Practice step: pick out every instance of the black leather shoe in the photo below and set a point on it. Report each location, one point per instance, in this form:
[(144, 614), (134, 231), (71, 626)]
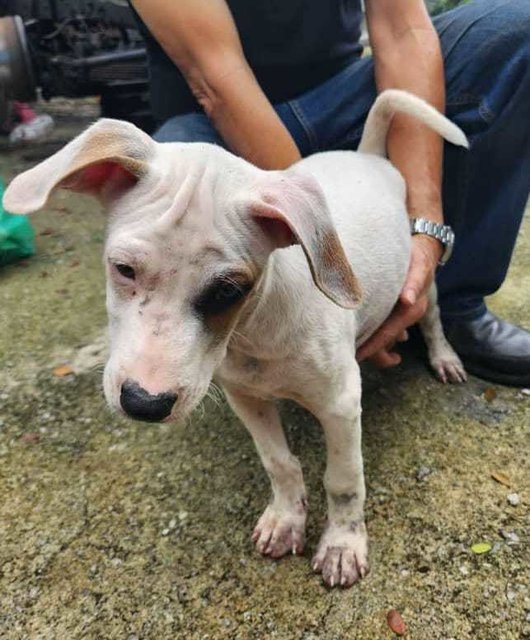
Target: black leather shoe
[(492, 349)]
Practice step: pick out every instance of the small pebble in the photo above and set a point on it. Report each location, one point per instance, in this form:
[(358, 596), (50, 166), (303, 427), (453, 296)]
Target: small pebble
[(422, 473), (164, 532), (513, 499), (496, 547), (525, 392), (510, 536)]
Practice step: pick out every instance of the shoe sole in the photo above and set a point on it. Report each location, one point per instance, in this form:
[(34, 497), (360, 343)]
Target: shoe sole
[(506, 379)]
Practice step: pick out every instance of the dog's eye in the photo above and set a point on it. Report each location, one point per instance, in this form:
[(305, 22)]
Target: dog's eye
[(220, 296), (126, 271)]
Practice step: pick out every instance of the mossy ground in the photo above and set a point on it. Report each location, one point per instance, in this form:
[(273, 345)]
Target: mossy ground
[(117, 530)]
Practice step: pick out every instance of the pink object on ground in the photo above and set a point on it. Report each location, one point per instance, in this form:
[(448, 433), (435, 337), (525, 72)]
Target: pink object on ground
[(24, 112)]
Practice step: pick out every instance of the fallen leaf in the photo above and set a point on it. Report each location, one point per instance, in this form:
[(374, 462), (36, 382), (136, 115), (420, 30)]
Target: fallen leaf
[(490, 394), (501, 478), (47, 232), (30, 438), (481, 547), (395, 622), (61, 208), (63, 370)]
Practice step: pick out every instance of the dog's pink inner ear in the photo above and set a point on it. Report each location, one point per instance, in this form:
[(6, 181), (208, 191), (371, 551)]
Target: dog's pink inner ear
[(96, 176), (272, 221)]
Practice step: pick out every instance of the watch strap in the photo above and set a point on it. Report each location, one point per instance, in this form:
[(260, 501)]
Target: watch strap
[(441, 232)]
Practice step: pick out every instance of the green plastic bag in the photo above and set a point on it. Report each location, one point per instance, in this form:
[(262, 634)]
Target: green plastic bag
[(16, 235)]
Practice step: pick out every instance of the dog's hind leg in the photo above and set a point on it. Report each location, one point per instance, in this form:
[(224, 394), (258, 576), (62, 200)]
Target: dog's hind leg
[(341, 556), (281, 528), (442, 357)]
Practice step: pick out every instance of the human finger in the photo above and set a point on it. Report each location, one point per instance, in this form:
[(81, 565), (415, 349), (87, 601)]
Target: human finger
[(385, 359), (398, 321), (421, 270)]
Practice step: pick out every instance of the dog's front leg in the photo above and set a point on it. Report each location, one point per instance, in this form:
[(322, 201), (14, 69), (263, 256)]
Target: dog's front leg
[(281, 528), (341, 556)]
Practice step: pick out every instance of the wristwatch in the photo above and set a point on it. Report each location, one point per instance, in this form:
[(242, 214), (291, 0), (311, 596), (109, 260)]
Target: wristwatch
[(442, 232)]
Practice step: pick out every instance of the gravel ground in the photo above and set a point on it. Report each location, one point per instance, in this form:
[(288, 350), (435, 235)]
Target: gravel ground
[(111, 529)]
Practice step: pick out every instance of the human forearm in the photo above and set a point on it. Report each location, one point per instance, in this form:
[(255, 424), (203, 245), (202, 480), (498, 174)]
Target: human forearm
[(247, 122), (201, 38), (409, 58)]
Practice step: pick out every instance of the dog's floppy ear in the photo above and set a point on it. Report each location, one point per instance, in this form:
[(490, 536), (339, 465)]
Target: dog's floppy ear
[(110, 155), (292, 209)]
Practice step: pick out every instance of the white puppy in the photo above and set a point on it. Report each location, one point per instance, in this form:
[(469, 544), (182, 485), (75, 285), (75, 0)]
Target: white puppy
[(197, 289)]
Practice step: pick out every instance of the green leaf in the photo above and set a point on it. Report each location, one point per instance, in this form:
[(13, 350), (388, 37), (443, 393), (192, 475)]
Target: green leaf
[(481, 547)]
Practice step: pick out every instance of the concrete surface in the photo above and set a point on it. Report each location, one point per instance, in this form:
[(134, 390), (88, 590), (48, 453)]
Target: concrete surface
[(111, 529)]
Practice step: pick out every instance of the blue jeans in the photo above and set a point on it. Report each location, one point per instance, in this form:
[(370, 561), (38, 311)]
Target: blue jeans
[(486, 49)]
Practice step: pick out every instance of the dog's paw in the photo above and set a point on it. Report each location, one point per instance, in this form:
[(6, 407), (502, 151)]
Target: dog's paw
[(449, 368), (342, 555), (279, 532)]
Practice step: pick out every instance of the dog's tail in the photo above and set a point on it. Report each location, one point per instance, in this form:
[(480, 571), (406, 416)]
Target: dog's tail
[(394, 101)]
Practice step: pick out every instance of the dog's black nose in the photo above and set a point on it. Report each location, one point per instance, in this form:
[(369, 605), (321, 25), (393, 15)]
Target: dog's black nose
[(141, 405)]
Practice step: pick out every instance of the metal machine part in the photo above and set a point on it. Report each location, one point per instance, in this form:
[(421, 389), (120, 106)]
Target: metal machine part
[(75, 48), (16, 74)]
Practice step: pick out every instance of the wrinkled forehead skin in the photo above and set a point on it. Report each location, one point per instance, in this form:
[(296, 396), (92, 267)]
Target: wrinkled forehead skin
[(183, 214), (179, 228)]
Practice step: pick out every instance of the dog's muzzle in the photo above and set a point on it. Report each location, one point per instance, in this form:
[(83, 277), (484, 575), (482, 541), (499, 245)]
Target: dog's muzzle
[(141, 405)]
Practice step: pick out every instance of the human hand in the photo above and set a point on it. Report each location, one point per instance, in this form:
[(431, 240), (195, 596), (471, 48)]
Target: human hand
[(410, 307)]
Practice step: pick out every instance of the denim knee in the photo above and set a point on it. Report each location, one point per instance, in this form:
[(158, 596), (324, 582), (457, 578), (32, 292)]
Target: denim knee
[(486, 47), (508, 22), (190, 127), (512, 19)]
